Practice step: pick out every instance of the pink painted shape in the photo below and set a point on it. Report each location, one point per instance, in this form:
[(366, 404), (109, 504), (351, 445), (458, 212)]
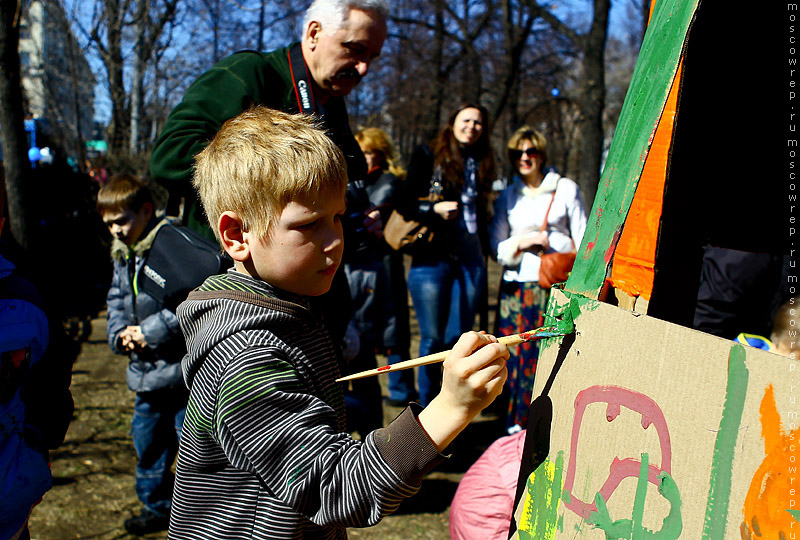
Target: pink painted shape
[(616, 397)]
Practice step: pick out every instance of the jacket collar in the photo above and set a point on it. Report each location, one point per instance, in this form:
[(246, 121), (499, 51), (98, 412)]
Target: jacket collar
[(121, 251), (238, 281), (548, 185)]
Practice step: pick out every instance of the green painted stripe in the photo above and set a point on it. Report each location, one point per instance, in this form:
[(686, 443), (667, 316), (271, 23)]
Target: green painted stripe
[(647, 94), (637, 529), (333, 396), (200, 425), (257, 377), (224, 283), (254, 377), (719, 490), (252, 398), (250, 380)]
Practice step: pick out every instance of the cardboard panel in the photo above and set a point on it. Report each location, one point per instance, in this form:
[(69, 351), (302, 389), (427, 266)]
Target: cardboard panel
[(659, 431)]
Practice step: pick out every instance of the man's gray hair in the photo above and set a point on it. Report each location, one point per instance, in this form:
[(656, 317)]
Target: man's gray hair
[(332, 14)]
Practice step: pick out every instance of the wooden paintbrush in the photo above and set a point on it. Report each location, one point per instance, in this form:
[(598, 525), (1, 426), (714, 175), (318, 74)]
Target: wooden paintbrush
[(508, 341)]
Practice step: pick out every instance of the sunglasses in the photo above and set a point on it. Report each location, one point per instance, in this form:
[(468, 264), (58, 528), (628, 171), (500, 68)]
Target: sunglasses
[(517, 154)]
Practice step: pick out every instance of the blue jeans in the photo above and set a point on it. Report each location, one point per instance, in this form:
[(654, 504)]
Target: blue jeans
[(373, 312), (401, 383), (446, 295), (156, 429)]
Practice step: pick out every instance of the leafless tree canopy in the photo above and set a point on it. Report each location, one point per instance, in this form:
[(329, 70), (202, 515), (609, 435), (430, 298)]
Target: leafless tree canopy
[(527, 61)]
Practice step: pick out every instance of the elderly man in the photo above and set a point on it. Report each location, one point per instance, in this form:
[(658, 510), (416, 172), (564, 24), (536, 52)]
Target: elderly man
[(340, 40)]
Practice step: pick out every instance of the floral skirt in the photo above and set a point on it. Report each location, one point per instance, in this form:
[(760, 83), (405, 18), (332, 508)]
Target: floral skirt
[(522, 307)]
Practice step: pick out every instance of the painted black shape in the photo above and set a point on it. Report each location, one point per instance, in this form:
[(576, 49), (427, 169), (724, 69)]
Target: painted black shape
[(540, 419)]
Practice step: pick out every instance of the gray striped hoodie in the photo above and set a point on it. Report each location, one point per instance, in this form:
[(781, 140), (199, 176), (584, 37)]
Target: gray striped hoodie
[(263, 452)]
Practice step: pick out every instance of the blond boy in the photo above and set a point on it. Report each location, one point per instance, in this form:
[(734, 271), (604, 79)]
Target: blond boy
[(264, 453)]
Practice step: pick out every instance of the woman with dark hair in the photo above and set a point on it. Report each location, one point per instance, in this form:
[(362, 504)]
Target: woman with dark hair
[(539, 212), (446, 277)]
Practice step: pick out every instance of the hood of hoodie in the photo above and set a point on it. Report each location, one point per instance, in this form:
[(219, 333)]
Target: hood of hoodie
[(213, 312)]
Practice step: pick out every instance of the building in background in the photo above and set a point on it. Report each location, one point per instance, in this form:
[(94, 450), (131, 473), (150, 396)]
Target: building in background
[(57, 81)]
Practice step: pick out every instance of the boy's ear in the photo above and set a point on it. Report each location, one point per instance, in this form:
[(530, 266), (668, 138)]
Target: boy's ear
[(231, 233), (149, 210)]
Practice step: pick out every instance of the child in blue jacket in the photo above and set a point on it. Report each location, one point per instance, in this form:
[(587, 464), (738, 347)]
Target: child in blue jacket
[(27, 374), (156, 264)]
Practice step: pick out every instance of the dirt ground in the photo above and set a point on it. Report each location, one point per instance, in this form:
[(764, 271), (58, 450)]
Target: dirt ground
[(93, 471)]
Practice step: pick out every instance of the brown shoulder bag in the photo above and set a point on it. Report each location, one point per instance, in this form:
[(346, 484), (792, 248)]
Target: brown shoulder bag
[(409, 236), (555, 267)]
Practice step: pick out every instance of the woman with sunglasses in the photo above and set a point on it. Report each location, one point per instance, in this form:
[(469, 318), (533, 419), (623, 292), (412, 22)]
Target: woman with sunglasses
[(446, 278), (517, 238)]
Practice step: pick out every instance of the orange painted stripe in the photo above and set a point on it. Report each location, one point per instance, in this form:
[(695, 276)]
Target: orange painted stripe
[(634, 258), (768, 498)]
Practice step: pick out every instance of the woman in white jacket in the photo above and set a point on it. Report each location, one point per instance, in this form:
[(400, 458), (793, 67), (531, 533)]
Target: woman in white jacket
[(517, 240)]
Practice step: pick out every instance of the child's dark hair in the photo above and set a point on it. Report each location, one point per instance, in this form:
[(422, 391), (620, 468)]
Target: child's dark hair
[(123, 192)]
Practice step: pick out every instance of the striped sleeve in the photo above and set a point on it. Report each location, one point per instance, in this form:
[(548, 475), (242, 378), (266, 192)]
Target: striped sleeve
[(267, 424)]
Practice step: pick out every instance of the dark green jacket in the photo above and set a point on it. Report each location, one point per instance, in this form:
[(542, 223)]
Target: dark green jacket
[(230, 87)]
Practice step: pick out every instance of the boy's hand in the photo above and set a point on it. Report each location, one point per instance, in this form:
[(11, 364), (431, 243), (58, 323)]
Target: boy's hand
[(132, 338), (474, 374)]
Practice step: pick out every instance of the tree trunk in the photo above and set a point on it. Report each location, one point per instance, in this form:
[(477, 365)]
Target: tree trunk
[(114, 64), (12, 136), (440, 79), (138, 75), (592, 101), (260, 40)]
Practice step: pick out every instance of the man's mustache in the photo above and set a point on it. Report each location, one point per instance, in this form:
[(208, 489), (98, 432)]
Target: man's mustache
[(349, 73)]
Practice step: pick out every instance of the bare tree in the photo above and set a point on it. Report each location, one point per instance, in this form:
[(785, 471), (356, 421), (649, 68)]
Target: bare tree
[(510, 55), (516, 26), (591, 46), (148, 30), (214, 14), (443, 46), (106, 35), (12, 136)]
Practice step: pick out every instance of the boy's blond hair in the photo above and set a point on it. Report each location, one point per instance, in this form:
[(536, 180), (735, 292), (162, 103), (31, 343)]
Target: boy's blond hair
[(261, 160)]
